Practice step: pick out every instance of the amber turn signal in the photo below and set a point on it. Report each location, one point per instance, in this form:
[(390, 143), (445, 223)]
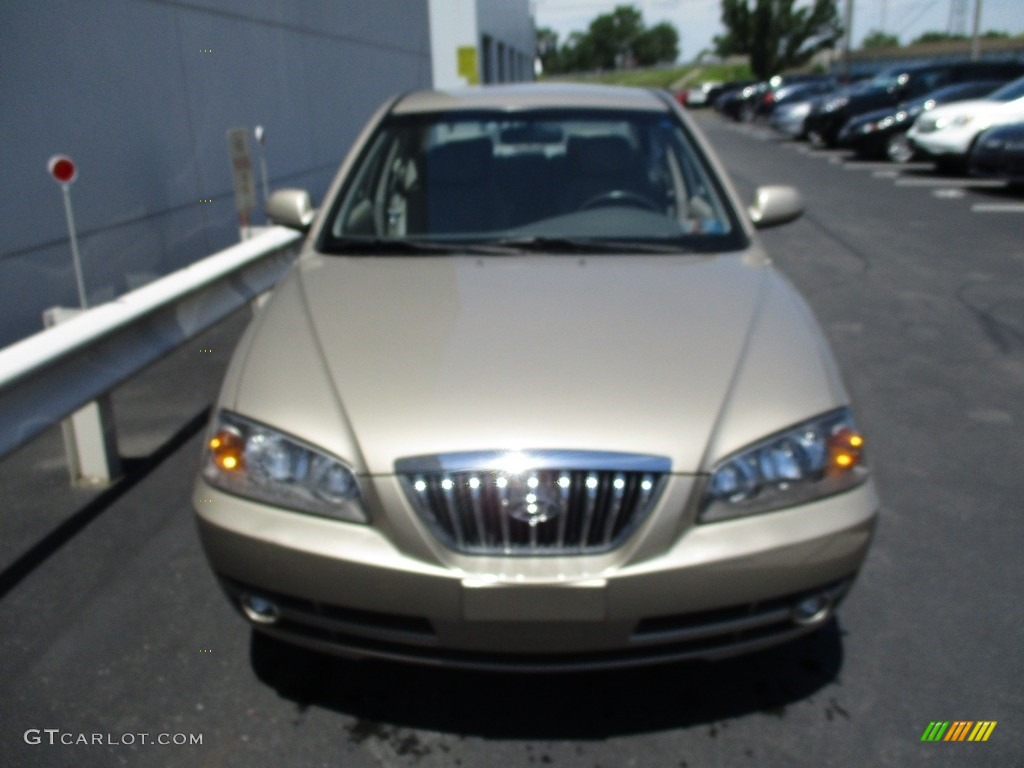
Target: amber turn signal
[(226, 449), (844, 449)]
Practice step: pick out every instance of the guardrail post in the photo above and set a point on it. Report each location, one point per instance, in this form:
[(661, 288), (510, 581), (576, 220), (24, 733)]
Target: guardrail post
[(90, 439)]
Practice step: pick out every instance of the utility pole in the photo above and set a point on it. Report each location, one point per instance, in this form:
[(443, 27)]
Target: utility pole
[(976, 32), (847, 36)]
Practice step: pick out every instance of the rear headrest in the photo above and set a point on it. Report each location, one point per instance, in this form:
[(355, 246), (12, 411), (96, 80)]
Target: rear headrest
[(460, 162), (600, 155)]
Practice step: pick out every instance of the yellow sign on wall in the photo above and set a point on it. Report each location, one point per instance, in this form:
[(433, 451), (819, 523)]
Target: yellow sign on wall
[(467, 66)]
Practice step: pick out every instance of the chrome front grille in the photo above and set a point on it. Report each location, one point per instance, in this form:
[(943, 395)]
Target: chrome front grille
[(533, 503)]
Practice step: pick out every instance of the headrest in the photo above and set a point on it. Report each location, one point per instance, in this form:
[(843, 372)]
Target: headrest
[(600, 155), (459, 162)]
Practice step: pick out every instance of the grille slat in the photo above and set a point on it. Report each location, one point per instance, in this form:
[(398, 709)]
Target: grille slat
[(564, 484), (544, 509), (618, 497)]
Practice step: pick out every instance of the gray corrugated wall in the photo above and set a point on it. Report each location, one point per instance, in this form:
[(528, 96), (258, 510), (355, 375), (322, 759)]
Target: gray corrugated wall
[(126, 88)]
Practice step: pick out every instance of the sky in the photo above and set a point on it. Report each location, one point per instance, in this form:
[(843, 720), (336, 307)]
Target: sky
[(698, 20)]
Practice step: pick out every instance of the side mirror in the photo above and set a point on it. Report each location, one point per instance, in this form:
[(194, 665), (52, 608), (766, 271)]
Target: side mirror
[(775, 205), (291, 208)]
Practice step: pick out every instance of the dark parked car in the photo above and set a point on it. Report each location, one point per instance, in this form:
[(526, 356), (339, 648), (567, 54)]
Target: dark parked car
[(999, 152), (790, 117), (745, 104), (896, 84), (727, 91), (883, 133), (705, 94), (792, 93)]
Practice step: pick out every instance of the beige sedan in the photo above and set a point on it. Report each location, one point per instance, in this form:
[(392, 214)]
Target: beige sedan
[(534, 398)]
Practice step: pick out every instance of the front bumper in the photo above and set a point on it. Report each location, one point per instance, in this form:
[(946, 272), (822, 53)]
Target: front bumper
[(719, 589), (1007, 166), (790, 124), (825, 125), (941, 144)]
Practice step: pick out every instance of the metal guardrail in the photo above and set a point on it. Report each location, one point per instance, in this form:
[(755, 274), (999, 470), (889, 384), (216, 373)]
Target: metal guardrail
[(50, 374)]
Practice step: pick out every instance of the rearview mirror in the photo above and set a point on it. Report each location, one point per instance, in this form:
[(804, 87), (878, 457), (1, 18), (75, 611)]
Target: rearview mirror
[(775, 205), (291, 208)]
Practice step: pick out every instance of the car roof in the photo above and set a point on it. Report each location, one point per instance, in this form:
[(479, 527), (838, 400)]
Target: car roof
[(518, 96)]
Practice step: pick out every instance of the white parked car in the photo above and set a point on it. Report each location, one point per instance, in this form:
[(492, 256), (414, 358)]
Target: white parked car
[(947, 133), (702, 94)]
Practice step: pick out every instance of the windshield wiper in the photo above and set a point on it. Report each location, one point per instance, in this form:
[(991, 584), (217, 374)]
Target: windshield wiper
[(506, 246), (588, 245), (379, 246)]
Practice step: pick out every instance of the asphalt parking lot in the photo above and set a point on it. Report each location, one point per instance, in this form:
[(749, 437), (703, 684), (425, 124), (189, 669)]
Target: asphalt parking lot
[(111, 624)]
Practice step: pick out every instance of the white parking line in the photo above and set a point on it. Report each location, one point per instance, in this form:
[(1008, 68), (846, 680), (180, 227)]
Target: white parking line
[(948, 194), (997, 208), (924, 181), (886, 174), (855, 165), (804, 149)]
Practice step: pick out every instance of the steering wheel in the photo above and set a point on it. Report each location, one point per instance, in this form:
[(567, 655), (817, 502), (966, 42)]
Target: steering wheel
[(620, 197)]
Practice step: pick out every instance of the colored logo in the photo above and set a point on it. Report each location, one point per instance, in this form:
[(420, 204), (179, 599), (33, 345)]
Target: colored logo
[(958, 730)]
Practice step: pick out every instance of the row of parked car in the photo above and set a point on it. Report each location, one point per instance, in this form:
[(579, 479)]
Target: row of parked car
[(966, 116)]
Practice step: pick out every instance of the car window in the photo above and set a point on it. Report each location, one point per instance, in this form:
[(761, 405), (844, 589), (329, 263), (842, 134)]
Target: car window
[(927, 81), (888, 79), (1009, 92), (546, 173)]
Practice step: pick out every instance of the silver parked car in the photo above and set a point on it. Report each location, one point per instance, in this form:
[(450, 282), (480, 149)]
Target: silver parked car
[(533, 397)]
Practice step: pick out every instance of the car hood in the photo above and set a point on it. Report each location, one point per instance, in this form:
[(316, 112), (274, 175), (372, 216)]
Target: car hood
[(979, 109), (871, 117), (680, 357)]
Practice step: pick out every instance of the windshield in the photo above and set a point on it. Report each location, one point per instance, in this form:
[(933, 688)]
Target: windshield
[(889, 79), (958, 92), (520, 179), (1009, 92)]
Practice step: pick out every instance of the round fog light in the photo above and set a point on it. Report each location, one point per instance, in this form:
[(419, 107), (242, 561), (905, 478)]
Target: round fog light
[(812, 610), (259, 609)]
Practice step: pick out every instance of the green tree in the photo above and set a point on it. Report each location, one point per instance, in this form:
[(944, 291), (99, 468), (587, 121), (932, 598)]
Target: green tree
[(776, 34), (612, 35), (945, 37), (876, 38), (547, 49), (657, 45), (937, 37), (577, 55), (612, 40)]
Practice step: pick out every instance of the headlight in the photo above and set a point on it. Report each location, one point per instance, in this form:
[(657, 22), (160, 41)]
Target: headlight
[(835, 104), (868, 128), (817, 458), (961, 120), (249, 459)]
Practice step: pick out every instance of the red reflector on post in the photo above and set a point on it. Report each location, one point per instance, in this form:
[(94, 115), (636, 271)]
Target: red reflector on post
[(63, 169)]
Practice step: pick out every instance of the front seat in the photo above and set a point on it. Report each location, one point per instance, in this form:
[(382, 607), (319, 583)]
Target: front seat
[(461, 193), (599, 165)]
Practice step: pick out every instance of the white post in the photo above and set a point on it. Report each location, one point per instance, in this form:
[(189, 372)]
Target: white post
[(261, 136), (75, 257), (90, 440), (241, 173)]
